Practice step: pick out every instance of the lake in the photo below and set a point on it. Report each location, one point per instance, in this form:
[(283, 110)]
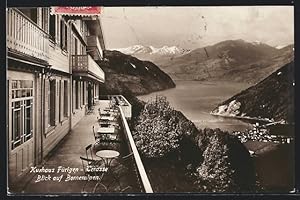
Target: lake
[(195, 99)]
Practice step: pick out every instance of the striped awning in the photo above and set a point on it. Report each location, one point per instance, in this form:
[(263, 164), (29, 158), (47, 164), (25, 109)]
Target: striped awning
[(76, 11)]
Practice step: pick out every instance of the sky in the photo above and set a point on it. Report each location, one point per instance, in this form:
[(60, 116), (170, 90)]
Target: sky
[(194, 27)]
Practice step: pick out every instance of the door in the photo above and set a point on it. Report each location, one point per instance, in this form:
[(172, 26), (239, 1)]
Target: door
[(21, 127)]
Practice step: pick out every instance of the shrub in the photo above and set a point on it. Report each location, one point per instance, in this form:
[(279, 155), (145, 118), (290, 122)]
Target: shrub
[(215, 174), (218, 161), (158, 130)]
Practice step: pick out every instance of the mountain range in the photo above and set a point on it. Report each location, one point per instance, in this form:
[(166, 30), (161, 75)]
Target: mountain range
[(152, 53), (230, 60)]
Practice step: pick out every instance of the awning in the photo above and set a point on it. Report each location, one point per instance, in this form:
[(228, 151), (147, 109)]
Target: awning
[(76, 11)]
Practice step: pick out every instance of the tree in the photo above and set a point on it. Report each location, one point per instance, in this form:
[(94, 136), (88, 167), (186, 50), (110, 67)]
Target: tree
[(158, 130), (216, 173)]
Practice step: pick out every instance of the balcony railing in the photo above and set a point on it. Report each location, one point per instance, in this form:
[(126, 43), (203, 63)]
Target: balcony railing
[(86, 64), (121, 101), (140, 169), (23, 35)]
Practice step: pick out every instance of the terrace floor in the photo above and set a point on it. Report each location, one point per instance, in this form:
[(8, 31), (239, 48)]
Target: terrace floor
[(67, 154)]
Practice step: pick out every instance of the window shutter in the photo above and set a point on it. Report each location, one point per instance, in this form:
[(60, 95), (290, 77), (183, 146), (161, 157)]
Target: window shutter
[(62, 35), (61, 97), (46, 113), (57, 29), (65, 36), (68, 97), (45, 19), (73, 96), (53, 111)]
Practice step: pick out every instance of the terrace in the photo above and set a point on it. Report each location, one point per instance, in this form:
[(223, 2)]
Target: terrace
[(68, 168)]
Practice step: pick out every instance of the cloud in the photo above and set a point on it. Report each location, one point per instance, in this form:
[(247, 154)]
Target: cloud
[(191, 27)]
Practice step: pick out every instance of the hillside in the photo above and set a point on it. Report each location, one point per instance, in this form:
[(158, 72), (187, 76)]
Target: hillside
[(234, 60), (272, 98), (125, 73)]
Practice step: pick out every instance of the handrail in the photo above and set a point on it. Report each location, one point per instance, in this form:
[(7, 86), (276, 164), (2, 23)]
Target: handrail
[(94, 65), (140, 166), (30, 20), (125, 99), (25, 36)]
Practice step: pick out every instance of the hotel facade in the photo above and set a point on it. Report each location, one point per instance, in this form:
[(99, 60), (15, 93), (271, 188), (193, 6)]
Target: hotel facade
[(53, 80)]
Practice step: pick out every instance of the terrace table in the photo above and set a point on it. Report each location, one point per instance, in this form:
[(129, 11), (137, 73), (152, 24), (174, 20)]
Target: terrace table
[(107, 123), (104, 113), (106, 130), (108, 156), (108, 118), (110, 110)]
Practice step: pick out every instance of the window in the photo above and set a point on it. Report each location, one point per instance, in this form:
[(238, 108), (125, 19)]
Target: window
[(45, 14), (30, 13), (51, 103), (63, 35), (22, 112), (52, 28), (66, 98)]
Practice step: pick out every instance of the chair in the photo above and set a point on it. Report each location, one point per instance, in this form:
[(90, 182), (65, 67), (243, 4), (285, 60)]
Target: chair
[(120, 170), (107, 144), (124, 160), (95, 135), (91, 163), (88, 151)]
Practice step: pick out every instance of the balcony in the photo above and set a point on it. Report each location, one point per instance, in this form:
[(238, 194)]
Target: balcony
[(84, 65), (93, 47), (25, 37)]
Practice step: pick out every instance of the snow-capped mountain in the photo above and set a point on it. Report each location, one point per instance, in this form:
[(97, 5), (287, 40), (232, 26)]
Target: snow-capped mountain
[(140, 49), (153, 54), (257, 42), (165, 50), (135, 49), (280, 46)]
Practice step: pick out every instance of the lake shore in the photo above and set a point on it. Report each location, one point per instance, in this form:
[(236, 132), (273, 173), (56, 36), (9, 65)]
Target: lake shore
[(196, 100), (246, 118)]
